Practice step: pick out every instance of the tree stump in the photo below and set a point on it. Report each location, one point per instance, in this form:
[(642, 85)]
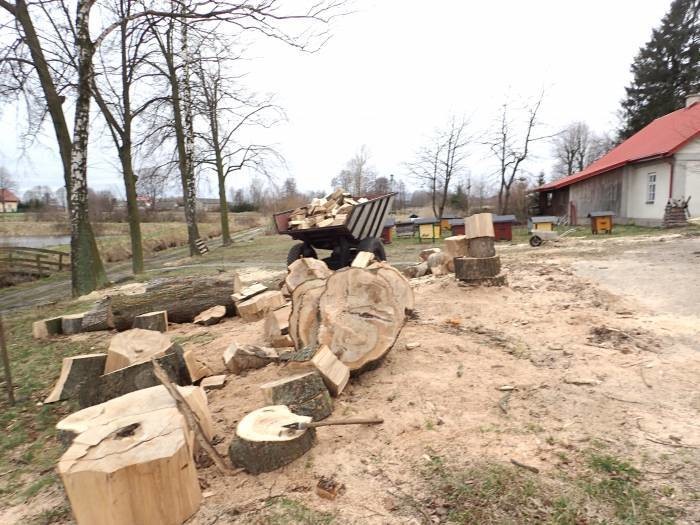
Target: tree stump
[(473, 269), (247, 357), (72, 324), (258, 306), (305, 269), (305, 394), (262, 444), (482, 247), (46, 328), (210, 316), (156, 321), (135, 346), (399, 284), (75, 371)]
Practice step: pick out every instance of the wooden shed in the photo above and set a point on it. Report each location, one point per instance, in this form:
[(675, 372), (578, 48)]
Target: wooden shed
[(428, 228), (503, 227), (388, 230)]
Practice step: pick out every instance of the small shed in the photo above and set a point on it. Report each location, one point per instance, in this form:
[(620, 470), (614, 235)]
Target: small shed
[(388, 230), (503, 227), (601, 221), (428, 228), (544, 223), (457, 226), (404, 229)]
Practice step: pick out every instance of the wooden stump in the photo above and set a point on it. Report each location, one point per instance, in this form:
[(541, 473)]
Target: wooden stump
[(135, 346), (257, 307), (304, 320), (335, 374), (305, 269), (471, 269), (399, 284), (46, 328), (141, 471), (134, 377), (482, 247), (99, 317), (72, 324), (305, 394), (75, 371), (247, 357), (262, 444), (210, 316), (156, 321)]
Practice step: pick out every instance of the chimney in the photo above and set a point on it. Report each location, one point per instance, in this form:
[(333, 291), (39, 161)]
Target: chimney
[(692, 99)]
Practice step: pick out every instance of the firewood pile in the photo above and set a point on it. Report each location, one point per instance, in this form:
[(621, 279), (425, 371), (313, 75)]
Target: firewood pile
[(676, 213), (332, 210)]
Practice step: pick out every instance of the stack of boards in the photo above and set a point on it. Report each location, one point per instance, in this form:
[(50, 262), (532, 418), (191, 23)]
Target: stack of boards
[(332, 210)]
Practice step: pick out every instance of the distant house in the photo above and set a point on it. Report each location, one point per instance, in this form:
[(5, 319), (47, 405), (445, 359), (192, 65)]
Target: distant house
[(8, 201), (637, 178)]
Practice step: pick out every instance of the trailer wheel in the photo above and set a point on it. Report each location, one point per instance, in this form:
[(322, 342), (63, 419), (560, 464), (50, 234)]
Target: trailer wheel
[(300, 250), (373, 245), (535, 241)]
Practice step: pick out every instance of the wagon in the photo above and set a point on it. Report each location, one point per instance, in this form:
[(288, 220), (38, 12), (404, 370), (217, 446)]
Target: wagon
[(361, 232)]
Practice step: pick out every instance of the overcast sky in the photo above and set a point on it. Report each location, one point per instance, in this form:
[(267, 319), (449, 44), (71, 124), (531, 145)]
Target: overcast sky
[(397, 69)]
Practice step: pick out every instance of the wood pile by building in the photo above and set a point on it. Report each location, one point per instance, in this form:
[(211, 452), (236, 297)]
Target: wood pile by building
[(333, 210), (676, 213)]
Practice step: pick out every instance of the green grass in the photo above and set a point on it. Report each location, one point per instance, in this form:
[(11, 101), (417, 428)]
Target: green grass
[(286, 511)]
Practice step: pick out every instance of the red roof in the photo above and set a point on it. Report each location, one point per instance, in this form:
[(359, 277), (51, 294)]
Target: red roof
[(7, 196), (662, 138)]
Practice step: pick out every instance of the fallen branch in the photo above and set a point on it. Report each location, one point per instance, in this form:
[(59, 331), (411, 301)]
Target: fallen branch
[(192, 420), (503, 402), (526, 467), (623, 400)]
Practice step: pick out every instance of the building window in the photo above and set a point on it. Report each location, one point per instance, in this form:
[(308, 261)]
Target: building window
[(651, 188)]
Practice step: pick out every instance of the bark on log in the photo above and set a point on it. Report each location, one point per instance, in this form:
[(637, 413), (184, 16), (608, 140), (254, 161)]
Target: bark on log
[(46, 328), (305, 394), (247, 357), (72, 324), (360, 317), (140, 471), (482, 247), (304, 319), (305, 269), (182, 297), (134, 377), (211, 316), (437, 262), (99, 317), (156, 321), (471, 269), (75, 371), (135, 346), (335, 374), (262, 443), (258, 307)]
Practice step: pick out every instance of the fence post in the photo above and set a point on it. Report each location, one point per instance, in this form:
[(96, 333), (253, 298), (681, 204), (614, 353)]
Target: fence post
[(60, 262), (38, 265), (6, 364)]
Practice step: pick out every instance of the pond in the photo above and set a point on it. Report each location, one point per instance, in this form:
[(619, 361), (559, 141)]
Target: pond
[(34, 241)]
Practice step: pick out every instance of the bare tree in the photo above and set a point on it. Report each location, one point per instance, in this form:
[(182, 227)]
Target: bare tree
[(576, 147), (151, 183), (511, 147), (7, 183), (358, 177), (437, 166)]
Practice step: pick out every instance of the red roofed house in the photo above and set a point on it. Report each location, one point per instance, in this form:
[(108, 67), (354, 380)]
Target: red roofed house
[(636, 179), (8, 201)]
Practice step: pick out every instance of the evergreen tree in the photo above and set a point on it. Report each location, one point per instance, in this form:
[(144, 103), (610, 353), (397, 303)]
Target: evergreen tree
[(666, 69)]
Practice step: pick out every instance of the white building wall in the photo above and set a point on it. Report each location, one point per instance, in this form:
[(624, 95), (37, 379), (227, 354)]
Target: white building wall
[(8, 207), (686, 176), (639, 209)]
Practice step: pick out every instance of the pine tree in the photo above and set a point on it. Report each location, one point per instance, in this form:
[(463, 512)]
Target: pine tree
[(666, 69)]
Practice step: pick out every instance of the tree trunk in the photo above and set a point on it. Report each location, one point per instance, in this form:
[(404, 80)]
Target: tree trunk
[(132, 205), (220, 174)]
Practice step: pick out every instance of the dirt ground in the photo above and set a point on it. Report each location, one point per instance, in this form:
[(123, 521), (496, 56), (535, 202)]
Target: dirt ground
[(597, 341)]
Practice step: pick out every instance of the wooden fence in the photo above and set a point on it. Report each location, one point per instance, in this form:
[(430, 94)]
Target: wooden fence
[(32, 261)]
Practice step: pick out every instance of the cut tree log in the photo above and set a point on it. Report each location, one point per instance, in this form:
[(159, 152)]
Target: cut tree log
[(305, 269), (360, 317), (141, 471), (263, 444), (134, 377), (195, 367), (139, 402), (481, 247), (473, 269), (305, 394), (248, 357), (211, 316), (457, 246), (277, 323), (437, 262), (46, 328), (479, 225), (156, 321), (99, 317), (248, 292), (424, 254), (75, 371), (362, 260), (399, 284), (182, 297), (257, 307), (304, 319), (135, 346), (72, 324), (335, 374)]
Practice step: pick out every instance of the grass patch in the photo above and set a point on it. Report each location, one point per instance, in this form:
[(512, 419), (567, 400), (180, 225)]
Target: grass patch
[(284, 511), (606, 491)]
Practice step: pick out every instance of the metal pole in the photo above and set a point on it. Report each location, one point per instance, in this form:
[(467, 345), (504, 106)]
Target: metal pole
[(6, 364)]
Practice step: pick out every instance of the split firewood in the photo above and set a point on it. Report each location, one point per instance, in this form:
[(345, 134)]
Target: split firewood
[(75, 371), (362, 260), (277, 322), (417, 270), (46, 328), (479, 225), (262, 443), (211, 316), (72, 324), (258, 306), (334, 373), (303, 320), (329, 211), (156, 321), (282, 341), (457, 246), (247, 357), (482, 247), (135, 346), (195, 367), (473, 269), (304, 394), (248, 292), (305, 269), (213, 382), (360, 317), (99, 317)]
